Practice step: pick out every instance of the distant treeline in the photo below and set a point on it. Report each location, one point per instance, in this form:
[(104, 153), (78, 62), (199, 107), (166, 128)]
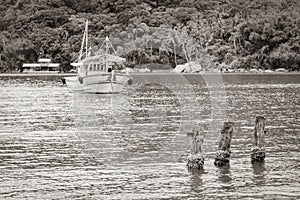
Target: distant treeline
[(261, 34)]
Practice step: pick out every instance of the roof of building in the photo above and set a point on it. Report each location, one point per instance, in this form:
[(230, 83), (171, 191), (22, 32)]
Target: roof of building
[(33, 65)]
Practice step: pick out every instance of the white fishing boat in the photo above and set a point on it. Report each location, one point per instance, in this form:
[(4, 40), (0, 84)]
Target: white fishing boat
[(102, 74), (98, 73)]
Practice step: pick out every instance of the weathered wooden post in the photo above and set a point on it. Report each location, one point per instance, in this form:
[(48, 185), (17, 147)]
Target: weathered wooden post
[(196, 159), (223, 153), (258, 151)]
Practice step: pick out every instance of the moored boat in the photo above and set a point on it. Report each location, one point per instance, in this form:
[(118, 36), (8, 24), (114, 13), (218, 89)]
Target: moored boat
[(102, 74), (98, 73)]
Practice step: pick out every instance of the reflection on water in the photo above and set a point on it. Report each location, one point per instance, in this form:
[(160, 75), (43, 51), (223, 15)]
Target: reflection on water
[(224, 173), (196, 180), (258, 168), (259, 173), (55, 144)]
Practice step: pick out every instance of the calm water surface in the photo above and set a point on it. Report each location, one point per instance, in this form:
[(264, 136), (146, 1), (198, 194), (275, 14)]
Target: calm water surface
[(55, 144)]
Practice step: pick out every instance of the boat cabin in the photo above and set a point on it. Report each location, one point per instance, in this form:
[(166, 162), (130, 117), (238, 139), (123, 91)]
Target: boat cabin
[(100, 63)]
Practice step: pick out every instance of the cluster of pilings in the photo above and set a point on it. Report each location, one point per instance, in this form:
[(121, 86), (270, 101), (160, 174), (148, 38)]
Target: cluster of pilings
[(222, 157)]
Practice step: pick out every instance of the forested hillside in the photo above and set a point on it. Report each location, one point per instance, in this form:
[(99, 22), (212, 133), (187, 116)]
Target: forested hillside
[(262, 34)]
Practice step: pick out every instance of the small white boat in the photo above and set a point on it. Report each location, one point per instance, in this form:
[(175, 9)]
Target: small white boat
[(99, 73), (74, 83)]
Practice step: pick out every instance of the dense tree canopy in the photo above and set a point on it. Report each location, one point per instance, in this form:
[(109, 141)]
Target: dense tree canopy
[(238, 34)]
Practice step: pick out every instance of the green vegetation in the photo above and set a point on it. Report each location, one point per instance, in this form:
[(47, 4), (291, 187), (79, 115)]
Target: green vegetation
[(237, 34)]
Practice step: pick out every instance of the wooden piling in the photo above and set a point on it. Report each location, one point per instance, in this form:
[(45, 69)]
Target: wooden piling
[(258, 151), (223, 153), (196, 159)]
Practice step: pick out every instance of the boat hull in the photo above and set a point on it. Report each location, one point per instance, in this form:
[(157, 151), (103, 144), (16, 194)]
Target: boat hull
[(104, 88), (74, 84), (105, 83)]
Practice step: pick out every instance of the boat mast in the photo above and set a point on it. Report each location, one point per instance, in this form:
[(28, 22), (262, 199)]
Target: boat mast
[(106, 51), (86, 38)]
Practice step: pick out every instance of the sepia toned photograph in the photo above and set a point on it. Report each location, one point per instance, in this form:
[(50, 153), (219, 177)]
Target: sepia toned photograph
[(149, 99)]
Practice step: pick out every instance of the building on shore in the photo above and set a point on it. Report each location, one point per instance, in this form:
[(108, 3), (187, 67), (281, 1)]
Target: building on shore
[(43, 65)]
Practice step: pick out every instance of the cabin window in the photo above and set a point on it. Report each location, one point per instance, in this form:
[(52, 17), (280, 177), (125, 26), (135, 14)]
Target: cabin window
[(98, 67), (101, 67), (95, 67), (109, 70), (91, 67)]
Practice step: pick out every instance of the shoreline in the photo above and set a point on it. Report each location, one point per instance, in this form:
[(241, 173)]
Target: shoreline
[(36, 75), (149, 73)]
